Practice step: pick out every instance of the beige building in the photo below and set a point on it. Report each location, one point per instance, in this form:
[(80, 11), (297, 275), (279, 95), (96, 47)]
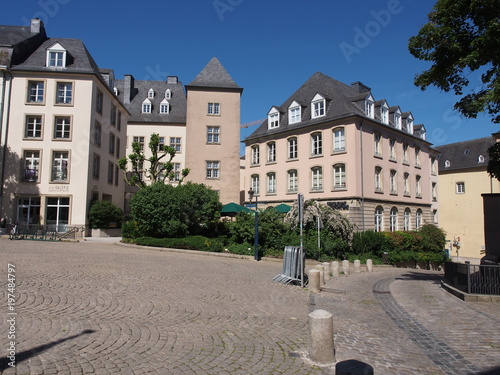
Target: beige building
[(336, 144), (65, 131), (462, 180)]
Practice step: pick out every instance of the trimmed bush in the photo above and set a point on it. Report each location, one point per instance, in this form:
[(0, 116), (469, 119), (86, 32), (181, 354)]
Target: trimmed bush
[(104, 213)]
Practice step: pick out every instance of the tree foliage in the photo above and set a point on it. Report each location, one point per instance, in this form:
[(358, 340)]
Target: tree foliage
[(103, 213), (494, 161), (462, 36), (161, 210), (161, 168)]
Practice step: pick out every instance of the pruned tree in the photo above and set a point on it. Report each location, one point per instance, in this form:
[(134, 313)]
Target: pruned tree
[(461, 37), (493, 168), (161, 169)]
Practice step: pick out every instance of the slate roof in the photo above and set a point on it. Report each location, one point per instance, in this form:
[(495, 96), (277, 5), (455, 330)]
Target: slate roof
[(21, 40), (214, 75), (140, 90), (341, 101), (464, 155)]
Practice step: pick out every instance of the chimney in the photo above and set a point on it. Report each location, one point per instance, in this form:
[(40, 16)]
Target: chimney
[(128, 86), (36, 26), (172, 80), (360, 88)]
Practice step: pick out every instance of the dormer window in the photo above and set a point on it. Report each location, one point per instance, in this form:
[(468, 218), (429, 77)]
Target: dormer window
[(146, 106), (384, 113), (480, 159), (369, 106), (318, 106), (273, 119), (447, 164), (294, 113), (56, 56), (409, 124), (397, 119), (168, 94), (164, 106), (151, 94)]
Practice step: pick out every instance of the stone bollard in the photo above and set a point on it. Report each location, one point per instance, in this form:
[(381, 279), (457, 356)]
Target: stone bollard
[(321, 347), (335, 269), (326, 266), (345, 267), (353, 367), (357, 266), (369, 265), (314, 282), (322, 273)]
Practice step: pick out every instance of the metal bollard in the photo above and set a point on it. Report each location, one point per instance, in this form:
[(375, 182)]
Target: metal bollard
[(321, 347)]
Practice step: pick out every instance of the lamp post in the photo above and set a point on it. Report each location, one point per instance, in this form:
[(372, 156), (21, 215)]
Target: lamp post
[(256, 232)]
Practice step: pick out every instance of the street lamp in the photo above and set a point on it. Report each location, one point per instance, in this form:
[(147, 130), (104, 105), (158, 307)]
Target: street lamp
[(256, 233)]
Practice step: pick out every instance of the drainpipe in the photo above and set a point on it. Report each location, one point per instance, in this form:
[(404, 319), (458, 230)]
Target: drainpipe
[(362, 178)]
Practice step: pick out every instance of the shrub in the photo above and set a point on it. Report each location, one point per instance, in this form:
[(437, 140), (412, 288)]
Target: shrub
[(190, 243), (104, 213), (130, 229), (241, 249), (372, 242)]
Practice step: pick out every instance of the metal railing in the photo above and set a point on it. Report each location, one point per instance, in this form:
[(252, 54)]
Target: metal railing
[(50, 232), (473, 279)]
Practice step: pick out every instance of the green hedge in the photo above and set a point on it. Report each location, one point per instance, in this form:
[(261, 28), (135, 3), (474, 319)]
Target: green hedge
[(190, 243)]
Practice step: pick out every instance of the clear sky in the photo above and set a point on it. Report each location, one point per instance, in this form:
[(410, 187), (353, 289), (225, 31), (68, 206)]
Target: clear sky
[(269, 47)]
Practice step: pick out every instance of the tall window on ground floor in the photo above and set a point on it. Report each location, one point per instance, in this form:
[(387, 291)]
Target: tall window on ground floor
[(57, 213), (255, 184), (317, 178), (394, 219), (407, 216), (339, 176), (379, 219), (418, 219), (28, 210)]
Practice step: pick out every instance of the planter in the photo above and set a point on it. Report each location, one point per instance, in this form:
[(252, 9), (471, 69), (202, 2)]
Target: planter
[(110, 232)]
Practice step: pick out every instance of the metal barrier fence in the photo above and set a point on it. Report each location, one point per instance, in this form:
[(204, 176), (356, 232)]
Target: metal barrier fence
[(49, 232), (293, 266), (473, 279)]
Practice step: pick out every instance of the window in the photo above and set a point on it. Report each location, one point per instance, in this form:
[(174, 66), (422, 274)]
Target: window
[(60, 162), (117, 147), (406, 182), (139, 140), (255, 184), (316, 144), (338, 140), (392, 149), (36, 91), (435, 216), (409, 124), (377, 145), (255, 155), (292, 148), (56, 56), (384, 113), (96, 166), (294, 114), (31, 165), (62, 128), (97, 134), (292, 181), (57, 213), (273, 119), (317, 178), (111, 143), (393, 182), (339, 176), (393, 222), (111, 171), (64, 93), (418, 219), (168, 94), (33, 127), (460, 187), (318, 106), (407, 219), (213, 134), (117, 173), (151, 94), (271, 152), (406, 159), (379, 218), (28, 210), (175, 143), (433, 166), (447, 164), (119, 121), (177, 172), (164, 107), (271, 183), (369, 105), (378, 179), (214, 108), (146, 106), (418, 183), (161, 143), (99, 101), (213, 168), (397, 120), (480, 159), (417, 157), (112, 115)]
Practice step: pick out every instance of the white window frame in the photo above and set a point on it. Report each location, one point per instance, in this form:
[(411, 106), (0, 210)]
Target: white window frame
[(255, 184), (60, 166), (317, 144), (36, 92), (168, 94), (384, 113), (293, 181), (392, 149), (273, 119), (370, 106), (213, 134), (56, 56), (151, 93), (64, 94), (271, 152), (176, 144), (379, 219), (165, 107), (377, 145), (31, 163), (294, 113), (33, 127), (407, 219), (293, 152), (393, 219), (417, 157), (62, 128), (406, 183), (255, 155), (318, 105), (460, 187), (418, 219), (317, 178), (271, 183), (146, 106), (397, 119), (339, 176), (378, 179), (213, 109), (393, 181), (212, 169), (339, 139), (418, 186)]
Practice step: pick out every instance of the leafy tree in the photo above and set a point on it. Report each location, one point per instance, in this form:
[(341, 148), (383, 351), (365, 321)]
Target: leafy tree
[(462, 36), (103, 213), (161, 168), (494, 161), (161, 210)]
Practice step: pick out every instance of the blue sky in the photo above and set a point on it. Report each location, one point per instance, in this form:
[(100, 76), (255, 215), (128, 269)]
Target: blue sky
[(270, 48)]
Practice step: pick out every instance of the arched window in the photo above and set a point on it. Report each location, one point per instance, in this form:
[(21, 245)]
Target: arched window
[(255, 184), (379, 218), (316, 144), (338, 139), (407, 220), (271, 183), (292, 148), (168, 94), (317, 178), (378, 179), (151, 93), (394, 219), (339, 176), (292, 181), (271, 152), (418, 219)]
